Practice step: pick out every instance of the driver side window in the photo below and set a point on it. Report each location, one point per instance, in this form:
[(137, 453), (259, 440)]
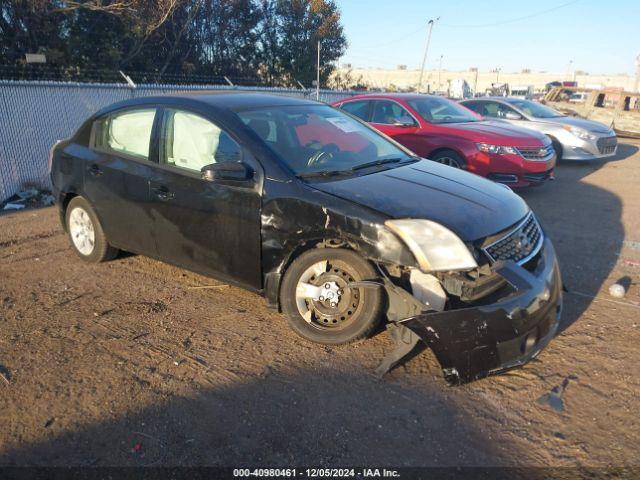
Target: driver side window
[(387, 113), (495, 110), (191, 142)]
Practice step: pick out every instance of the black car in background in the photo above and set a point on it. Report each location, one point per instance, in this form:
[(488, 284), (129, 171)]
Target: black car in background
[(335, 224)]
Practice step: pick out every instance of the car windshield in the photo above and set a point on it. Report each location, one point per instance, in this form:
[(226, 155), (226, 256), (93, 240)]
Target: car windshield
[(535, 110), (441, 110), (320, 140)]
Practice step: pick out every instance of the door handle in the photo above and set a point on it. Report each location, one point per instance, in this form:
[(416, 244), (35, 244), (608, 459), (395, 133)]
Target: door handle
[(163, 194), (95, 170)]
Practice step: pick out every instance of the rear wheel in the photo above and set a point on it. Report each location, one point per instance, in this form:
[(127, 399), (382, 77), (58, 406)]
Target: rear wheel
[(450, 158), (86, 234), (319, 303)]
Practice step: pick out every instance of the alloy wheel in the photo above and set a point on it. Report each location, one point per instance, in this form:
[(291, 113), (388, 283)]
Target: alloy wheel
[(82, 231)]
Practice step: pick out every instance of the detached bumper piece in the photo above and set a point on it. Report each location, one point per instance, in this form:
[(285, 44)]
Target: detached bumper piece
[(472, 343)]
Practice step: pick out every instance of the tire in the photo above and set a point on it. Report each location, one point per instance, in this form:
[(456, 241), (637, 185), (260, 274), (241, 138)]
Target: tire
[(357, 311), (450, 158), (557, 146), (85, 232)]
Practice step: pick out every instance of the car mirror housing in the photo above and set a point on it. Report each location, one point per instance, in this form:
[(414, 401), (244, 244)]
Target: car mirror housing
[(404, 121), (234, 171), (513, 116)]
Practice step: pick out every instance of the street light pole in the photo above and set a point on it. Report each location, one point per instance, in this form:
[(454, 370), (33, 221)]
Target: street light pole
[(426, 50)]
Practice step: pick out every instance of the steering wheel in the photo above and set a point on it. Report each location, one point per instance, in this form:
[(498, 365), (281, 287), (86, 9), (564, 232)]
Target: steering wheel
[(329, 149), (447, 118)]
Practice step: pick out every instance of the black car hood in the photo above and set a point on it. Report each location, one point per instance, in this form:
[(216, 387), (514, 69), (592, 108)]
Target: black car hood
[(467, 204)]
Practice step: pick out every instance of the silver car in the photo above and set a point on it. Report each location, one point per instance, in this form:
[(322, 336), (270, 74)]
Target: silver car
[(573, 138)]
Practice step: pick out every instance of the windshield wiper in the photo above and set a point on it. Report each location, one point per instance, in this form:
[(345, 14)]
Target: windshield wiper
[(375, 163), (324, 173)]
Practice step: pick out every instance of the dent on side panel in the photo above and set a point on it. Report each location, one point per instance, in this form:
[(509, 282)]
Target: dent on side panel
[(291, 221)]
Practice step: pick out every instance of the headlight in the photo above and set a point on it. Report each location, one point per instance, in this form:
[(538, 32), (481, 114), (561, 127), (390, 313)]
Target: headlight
[(435, 247), (496, 149), (579, 132)]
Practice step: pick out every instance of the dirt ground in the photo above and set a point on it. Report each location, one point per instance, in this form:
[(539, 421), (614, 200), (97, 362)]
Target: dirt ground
[(126, 363)]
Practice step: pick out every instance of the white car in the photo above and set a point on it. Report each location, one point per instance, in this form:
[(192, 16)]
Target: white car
[(573, 138)]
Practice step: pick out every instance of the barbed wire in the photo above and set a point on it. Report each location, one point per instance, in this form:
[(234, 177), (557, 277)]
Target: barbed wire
[(93, 75)]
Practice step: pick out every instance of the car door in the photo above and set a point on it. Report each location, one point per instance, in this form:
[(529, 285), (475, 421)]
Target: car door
[(208, 226), (116, 177)]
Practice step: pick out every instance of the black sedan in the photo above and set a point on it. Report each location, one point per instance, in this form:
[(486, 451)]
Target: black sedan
[(336, 225)]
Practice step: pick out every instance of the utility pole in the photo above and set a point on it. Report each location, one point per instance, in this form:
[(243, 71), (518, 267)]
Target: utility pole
[(318, 75), (475, 83), (569, 70), (637, 83), (440, 72), (426, 50)]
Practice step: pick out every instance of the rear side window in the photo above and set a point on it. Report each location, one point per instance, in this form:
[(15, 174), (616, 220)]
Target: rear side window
[(475, 106), (192, 142), (126, 132), (359, 109)]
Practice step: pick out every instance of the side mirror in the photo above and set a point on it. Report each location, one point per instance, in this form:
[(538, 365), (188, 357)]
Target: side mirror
[(404, 121), (513, 116), (234, 171)]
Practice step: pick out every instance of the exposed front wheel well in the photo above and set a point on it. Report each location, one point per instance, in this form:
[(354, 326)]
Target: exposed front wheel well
[(272, 288)]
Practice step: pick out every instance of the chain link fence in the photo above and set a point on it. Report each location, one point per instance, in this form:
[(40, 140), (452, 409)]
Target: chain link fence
[(33, 115)]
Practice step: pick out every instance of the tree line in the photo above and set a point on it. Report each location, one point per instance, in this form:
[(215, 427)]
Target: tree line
[(271, 41)]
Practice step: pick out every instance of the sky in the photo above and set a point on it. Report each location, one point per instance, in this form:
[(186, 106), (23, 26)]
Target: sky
[(596, 36)]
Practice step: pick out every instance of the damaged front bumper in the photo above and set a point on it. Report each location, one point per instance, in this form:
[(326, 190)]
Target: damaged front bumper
[(471, 343)]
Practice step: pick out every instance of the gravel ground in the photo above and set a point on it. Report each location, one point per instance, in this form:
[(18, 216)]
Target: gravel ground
[(126, 363)]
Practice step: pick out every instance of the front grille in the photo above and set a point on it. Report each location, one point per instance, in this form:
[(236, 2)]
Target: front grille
[(520, 244), (539, 154), (538, 176), (607, 145)]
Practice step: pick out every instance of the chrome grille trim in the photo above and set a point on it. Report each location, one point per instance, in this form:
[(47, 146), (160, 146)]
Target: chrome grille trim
[(537, 154), (530, 227)]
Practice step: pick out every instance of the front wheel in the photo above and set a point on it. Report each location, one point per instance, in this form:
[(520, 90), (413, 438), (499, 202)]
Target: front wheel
[(557, 146), (450, 158), (320, 304)]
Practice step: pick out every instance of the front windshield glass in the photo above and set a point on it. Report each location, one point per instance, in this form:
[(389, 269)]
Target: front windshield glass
[(534, 109), (314, 139), (442, 110)]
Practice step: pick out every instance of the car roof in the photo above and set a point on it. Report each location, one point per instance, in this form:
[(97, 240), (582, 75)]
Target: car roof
[(238, 100), (229, 100), (391, 96), (495, 98)]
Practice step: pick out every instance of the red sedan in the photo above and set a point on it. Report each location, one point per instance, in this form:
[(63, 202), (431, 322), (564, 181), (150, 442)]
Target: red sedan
[(446, 132)]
